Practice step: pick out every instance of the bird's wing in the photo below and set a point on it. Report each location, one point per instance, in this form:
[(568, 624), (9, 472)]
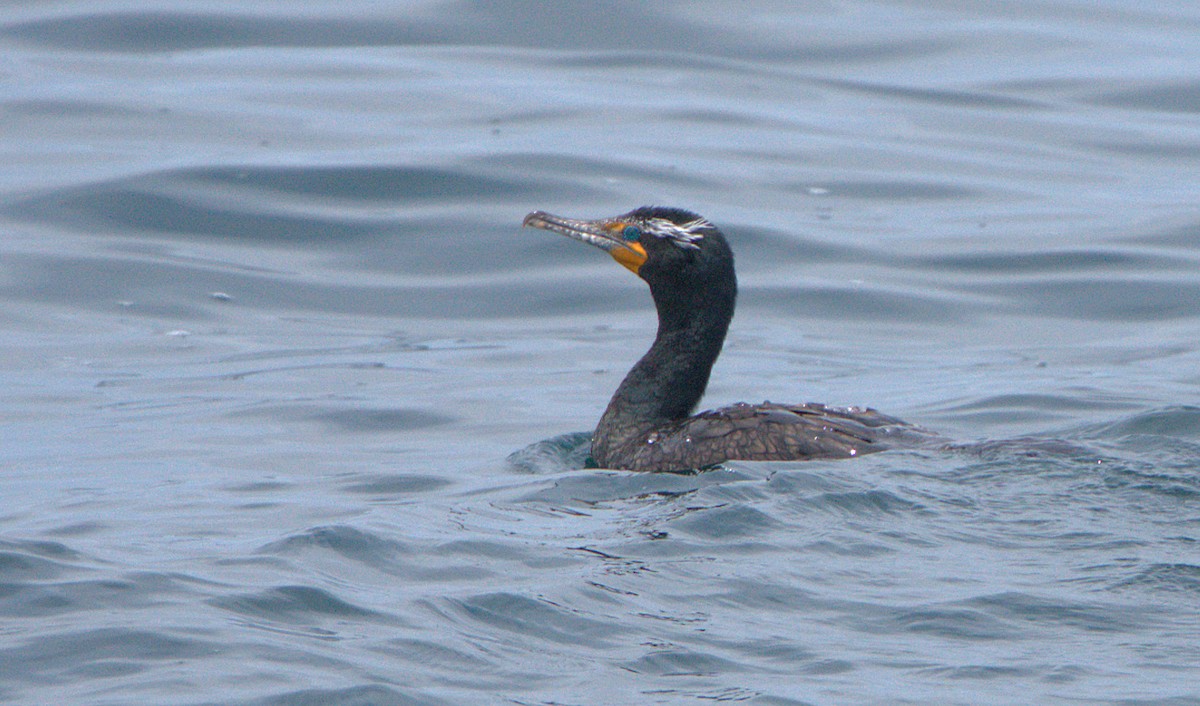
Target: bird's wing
[(777, 432)]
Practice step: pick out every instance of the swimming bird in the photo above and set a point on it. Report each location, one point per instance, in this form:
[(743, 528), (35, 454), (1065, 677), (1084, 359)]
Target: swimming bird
[(648, 425)]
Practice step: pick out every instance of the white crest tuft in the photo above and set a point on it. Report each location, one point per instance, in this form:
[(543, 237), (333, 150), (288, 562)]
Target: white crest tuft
[(685, 235)]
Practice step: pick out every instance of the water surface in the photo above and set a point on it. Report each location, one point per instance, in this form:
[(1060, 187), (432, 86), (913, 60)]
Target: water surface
[(272, 332)]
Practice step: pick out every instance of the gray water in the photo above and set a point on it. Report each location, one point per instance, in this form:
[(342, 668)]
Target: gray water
[(291, 401)]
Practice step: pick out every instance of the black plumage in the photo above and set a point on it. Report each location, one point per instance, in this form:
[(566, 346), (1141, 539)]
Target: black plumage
[(689, 266)]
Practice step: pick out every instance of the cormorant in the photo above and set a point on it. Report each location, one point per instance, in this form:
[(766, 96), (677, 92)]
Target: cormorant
[(689, 266)]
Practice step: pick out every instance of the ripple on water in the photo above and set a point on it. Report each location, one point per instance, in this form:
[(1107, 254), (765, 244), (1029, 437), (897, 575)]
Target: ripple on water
[(1178, 578), (1181, 422), (539, 619), (66, 596), (344, 541), (68, 656), (725, 522), (683, 662), (306, 606), (371, 695), (348, 530), (339, 549)]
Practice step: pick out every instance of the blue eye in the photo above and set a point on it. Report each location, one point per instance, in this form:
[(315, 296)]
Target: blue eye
[(631, 233)]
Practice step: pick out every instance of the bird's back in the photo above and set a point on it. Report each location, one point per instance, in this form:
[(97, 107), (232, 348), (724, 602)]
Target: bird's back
[(762, 432)]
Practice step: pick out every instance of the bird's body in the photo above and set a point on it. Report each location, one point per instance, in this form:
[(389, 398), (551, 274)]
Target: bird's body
[(750, 432), (647, 425)]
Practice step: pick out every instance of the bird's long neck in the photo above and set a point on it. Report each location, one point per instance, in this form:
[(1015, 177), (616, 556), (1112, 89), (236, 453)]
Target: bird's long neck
[(669, 380)]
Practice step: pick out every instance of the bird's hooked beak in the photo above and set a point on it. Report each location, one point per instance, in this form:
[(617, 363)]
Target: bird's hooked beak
[(605, 233)]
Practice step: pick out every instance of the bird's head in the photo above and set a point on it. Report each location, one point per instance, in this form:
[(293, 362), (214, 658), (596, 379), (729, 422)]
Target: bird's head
[(654, 242)]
